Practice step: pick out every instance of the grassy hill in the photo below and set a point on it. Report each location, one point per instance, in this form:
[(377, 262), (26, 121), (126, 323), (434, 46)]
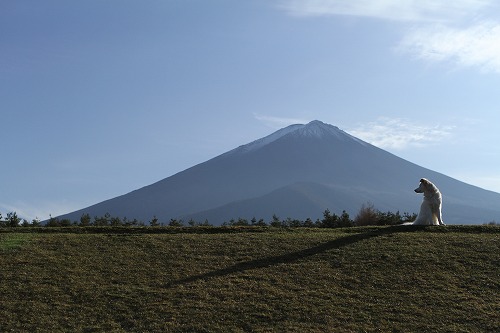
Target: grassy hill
[(383, 279)]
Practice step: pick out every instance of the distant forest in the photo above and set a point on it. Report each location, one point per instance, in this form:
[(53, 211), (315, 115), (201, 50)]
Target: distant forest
[(367, 215)]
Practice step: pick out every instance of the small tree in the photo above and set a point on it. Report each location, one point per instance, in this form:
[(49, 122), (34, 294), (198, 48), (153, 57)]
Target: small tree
[(85, 220), (53, 222), (12, 219), (329, 220), (154, 222), (308, 223), (344, 220), (276, 222), (36, 222)]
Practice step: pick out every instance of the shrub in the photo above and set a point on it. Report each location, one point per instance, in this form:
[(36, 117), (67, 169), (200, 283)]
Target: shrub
[(367, 215)]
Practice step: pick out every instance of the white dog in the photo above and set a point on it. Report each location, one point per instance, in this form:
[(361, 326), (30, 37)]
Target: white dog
[(430, 210)]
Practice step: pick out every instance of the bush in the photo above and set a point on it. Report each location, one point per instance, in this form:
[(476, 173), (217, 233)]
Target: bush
[(367, 215)]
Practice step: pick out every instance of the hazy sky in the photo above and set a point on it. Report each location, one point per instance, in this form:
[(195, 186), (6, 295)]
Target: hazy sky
[(101, 97)]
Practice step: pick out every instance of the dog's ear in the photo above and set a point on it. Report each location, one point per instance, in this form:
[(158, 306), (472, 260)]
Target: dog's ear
[(425, 182)]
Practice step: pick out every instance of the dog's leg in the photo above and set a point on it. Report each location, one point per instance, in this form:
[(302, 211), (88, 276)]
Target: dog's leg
[(440, 218), (439, 215)]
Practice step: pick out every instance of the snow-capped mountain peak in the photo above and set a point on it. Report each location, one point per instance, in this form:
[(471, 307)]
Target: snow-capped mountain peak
[(314, 129), (318, 129)]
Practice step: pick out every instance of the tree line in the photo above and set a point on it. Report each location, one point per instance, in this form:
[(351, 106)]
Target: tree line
[(367, 215), (12, 220)]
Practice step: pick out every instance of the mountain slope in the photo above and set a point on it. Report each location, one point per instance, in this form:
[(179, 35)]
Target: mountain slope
[(297, 172)]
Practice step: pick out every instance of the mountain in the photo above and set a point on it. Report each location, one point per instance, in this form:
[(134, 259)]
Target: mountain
[(298, 172)]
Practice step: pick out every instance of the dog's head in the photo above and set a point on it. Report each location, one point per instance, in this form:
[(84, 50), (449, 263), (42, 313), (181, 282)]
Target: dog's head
[(424, 184)]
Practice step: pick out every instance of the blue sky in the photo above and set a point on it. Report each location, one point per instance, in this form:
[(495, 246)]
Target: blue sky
[(98, 98)]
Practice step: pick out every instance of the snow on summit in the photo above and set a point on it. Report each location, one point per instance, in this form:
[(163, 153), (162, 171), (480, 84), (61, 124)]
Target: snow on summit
[(254, 145), (318, 129), (315, 129)]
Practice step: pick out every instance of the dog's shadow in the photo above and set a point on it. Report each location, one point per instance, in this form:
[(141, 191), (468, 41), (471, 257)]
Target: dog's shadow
[(295, 256)]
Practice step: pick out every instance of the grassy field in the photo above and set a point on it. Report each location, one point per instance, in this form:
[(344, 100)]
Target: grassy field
[(386, 279)]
